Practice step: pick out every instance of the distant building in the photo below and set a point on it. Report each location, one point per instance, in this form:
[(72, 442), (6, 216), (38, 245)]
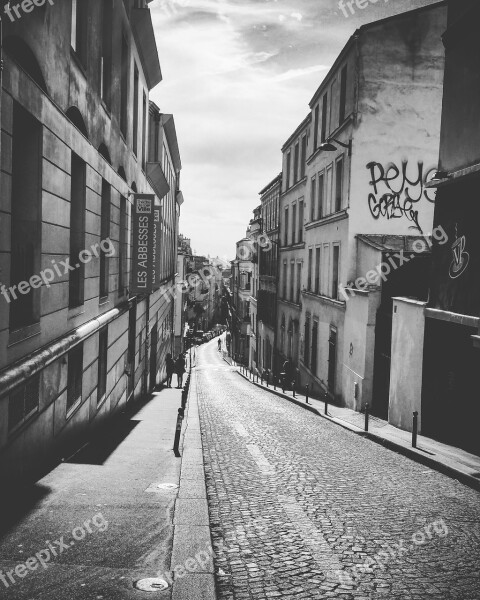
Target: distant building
[(291, 256), (268, 253)]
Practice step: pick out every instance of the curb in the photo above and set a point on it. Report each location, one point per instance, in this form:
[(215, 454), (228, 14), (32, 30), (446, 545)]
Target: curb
[(192, 584), (411, 453)]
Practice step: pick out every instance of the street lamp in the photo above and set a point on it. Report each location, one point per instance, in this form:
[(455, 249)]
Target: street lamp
[(327, 146), (438, 177)]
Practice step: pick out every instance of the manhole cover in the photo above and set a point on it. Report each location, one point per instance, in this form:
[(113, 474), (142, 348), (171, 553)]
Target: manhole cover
[(152, 584), (168, 486)]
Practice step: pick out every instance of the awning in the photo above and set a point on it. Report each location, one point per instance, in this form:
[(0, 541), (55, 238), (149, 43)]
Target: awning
[(157, 179)]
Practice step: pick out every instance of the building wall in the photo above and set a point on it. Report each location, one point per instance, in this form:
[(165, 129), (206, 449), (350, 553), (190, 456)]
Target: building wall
[(31, 441), (397, 132), (407, 362)]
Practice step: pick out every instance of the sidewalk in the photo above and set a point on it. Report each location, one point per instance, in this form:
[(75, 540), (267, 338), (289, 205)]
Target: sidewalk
[(449, 460), (146, 510)]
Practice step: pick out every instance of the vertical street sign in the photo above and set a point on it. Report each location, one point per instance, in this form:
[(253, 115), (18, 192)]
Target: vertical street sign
[(143, 243)]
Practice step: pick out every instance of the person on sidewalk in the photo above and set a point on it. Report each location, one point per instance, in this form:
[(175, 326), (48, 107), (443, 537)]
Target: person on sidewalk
[(288, 373), (170, 367), (180, 370), (219, 344)]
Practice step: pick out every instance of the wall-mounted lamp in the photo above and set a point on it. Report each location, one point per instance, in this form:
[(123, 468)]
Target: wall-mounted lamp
[(437, 178), (329, 147)]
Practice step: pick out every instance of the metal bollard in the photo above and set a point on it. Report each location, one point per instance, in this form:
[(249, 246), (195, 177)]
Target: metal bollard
[(178, 430), (367, 414), (306, 393), (415, 429)]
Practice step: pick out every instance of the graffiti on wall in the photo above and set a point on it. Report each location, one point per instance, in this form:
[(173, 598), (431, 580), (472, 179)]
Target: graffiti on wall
[(398, 191), (461, 258)]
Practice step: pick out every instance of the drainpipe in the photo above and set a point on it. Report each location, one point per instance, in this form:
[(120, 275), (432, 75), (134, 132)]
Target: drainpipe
[(146, 371)]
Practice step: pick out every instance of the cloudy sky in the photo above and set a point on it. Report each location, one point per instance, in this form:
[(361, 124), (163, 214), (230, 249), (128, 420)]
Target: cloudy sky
[(238, 76)]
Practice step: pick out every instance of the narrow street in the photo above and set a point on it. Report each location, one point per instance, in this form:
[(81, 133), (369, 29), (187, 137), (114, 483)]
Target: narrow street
[(295, 499)]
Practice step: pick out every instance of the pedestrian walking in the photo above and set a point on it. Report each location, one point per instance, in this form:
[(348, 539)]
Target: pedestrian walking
[(180, 370), (219, 344), (170, 367)]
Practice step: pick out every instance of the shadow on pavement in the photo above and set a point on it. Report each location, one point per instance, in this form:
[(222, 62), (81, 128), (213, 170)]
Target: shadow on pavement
[(16, 505)]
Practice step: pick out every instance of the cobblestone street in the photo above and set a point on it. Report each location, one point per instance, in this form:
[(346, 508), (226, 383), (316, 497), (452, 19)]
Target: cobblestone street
[(301, 508)]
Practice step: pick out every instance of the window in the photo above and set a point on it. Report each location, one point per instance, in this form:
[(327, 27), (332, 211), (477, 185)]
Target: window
[(289, 166), (310, 266), (294, 224), (23, 402), (324, 275), (313, 191), (314, 357), (292, 282), (339, 185), (315, 127), (329, 191), (135, 110), (333, 105), (75, 375), (320, 206), (285, 280), (77, 230), (300, 221), (295, 163), (317, 269), (282, 335), (299, 282), (122, 248), (26, 215), (106, 57), (303, 157), (336, 254), (343, 95), (79, 29), (306, 354), (285, 230), (124, 87), (104, 235), (324, 117), (102, 365)]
